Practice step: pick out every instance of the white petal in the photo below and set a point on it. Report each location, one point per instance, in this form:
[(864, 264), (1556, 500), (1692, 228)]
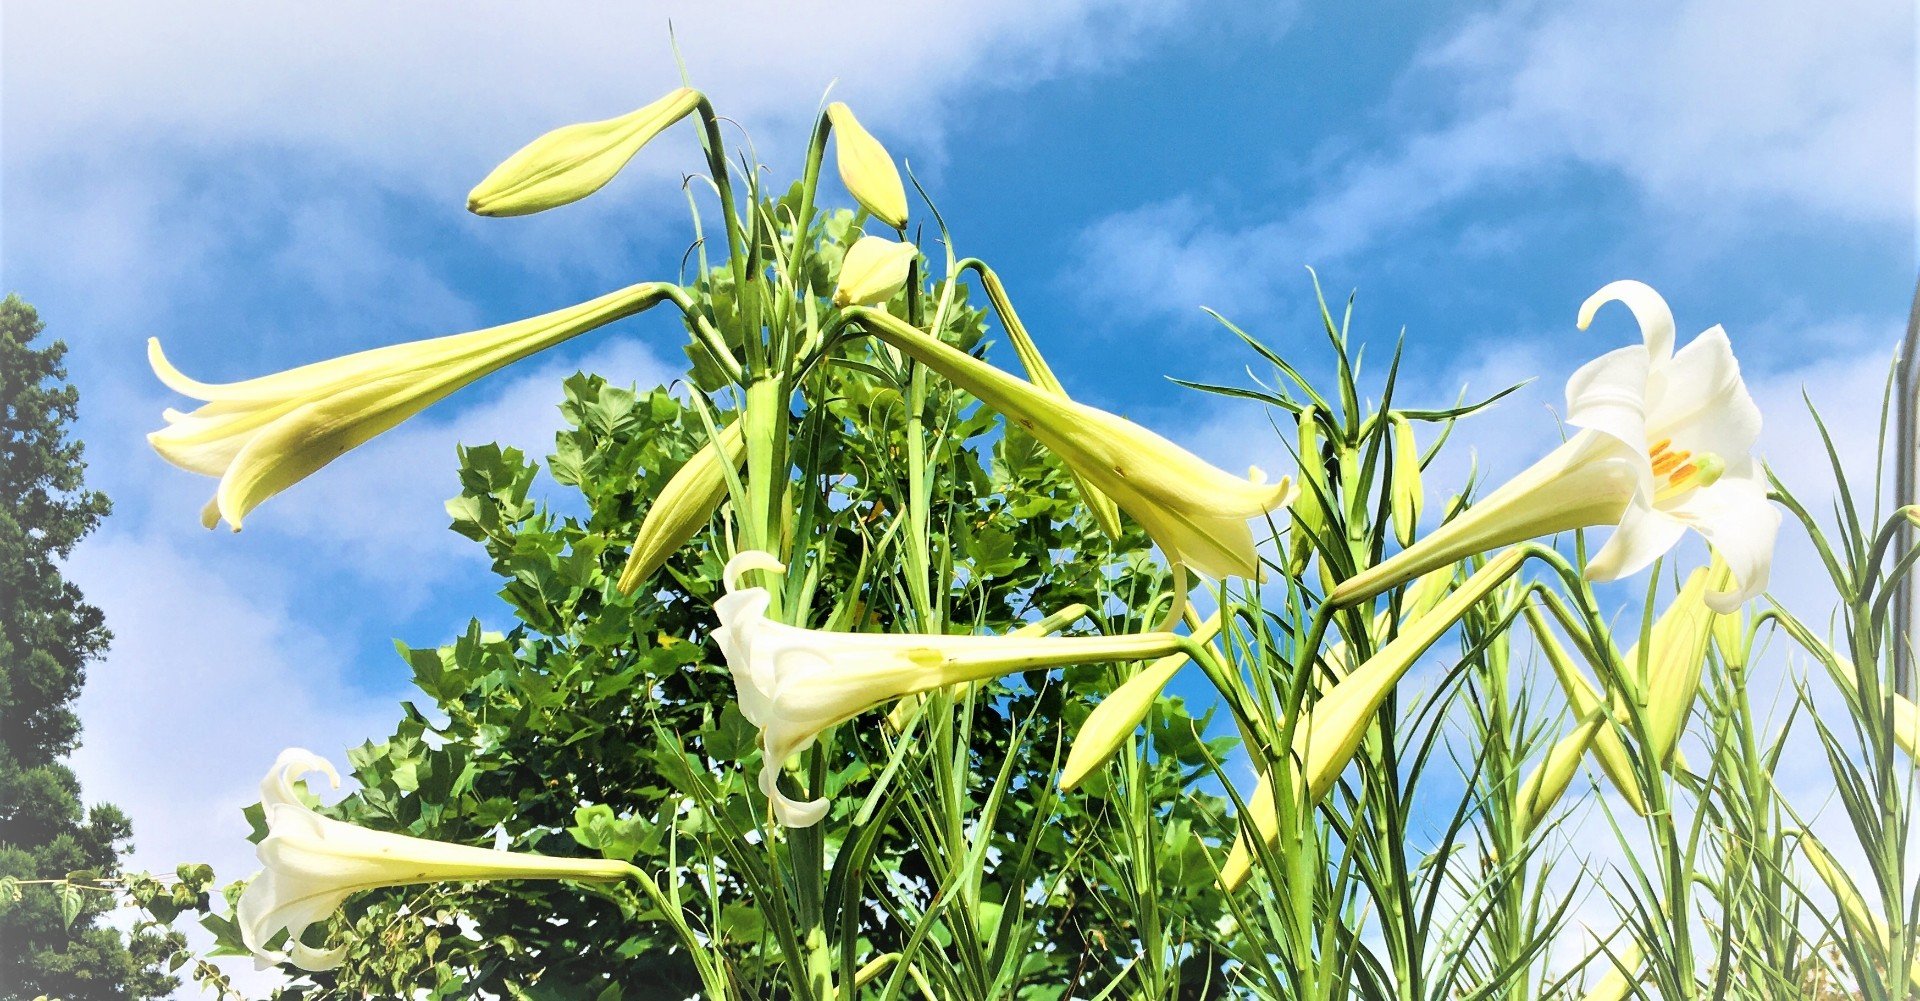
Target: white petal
[(1700, 401), (316, 960), (1609, 395), (1741, 525), (277, 788), (789, 812), (1655, 318), (1645, 534)]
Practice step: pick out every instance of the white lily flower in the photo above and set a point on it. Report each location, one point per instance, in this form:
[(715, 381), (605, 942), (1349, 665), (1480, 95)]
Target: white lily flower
[(1196, 512), (314, 863), (1665, 445), (263, 435), (795, 683)]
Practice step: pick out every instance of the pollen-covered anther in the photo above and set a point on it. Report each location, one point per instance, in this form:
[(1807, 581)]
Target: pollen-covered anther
[(1691, 472)]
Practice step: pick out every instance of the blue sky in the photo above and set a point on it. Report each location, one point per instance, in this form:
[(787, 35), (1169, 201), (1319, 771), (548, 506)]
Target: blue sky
[(266, 184)]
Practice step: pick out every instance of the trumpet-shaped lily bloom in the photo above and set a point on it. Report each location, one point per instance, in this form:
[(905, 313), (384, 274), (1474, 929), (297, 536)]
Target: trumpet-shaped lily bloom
[(1326, 736), (314, 863), (263, 435), (1664, 446), (574, 161), (1196, 512), (867, 169), (795, 683)]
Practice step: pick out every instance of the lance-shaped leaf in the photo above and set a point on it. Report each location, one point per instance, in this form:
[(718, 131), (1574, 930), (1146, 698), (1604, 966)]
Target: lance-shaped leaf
[(684, 506), (1196, 512), (314, 863), (1327, 735), (574, 161), (795, 683), (1665, 446), (866, 168), (263, 435)]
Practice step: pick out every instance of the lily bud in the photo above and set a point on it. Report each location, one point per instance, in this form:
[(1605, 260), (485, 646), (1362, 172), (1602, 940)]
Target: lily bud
[(1327, 735), (1674, 660), (1549, 782), (263, 435), (1622, 971), (1585, 699), (1309, 505), (874, 271), (314, 863), (574, 161), (1730, 638), (1407, 496), (1121, 712), (867, 169), (684, 506)]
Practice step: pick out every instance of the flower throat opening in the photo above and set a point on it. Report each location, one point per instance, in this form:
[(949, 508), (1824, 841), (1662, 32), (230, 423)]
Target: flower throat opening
[(1678, 472)]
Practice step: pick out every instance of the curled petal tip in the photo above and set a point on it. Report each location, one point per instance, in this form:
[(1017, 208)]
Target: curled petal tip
[(745, 560), (1649, 310)]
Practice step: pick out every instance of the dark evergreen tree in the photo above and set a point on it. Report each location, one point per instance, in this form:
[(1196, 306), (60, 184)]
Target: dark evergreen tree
[(51, 943)]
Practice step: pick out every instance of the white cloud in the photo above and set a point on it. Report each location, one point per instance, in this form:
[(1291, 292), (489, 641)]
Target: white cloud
[(206, 682), (1720, 111)]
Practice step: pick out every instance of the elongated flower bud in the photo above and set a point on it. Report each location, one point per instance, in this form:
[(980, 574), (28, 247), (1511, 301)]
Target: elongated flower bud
[(1310, 504), (1407, 496), (574, 161), (1327, 735), (867, 169), (1121, 712), (684, 506), (1549, 782), (1622, 971), (1584, 698), (1675, 658), (874, 271)]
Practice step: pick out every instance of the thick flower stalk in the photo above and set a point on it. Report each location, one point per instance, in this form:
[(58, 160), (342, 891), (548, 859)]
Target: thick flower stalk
[(263, 435), (574, 161), (795, 683), (314, 863), (1195, 512), (1664, 446), (1327, 735)]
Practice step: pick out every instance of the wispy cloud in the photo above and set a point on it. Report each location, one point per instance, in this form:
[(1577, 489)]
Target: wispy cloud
[(1723, 113)]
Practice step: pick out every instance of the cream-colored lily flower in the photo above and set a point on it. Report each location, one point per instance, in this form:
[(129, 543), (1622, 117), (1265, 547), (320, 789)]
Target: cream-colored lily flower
[(263, 435), (574, 161), (314, 863), (1665, 446), (874, 271), (795, 683), (1196, 512), (1327, 735), (866, 168)]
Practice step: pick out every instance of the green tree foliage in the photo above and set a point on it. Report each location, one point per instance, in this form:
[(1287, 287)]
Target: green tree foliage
[(51, 941)]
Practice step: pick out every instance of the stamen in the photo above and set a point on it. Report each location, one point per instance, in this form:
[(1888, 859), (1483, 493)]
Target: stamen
[(1684, 475), (1667, 462), (1658, 447)]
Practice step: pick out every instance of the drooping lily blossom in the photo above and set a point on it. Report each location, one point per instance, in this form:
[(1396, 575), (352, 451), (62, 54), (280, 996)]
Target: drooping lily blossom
[(312, 864)]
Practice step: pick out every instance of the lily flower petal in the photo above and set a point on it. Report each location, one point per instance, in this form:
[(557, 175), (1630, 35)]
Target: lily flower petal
[(795, 683), (314, 863), (1195, 512), (1664, 446), (263, 435)]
